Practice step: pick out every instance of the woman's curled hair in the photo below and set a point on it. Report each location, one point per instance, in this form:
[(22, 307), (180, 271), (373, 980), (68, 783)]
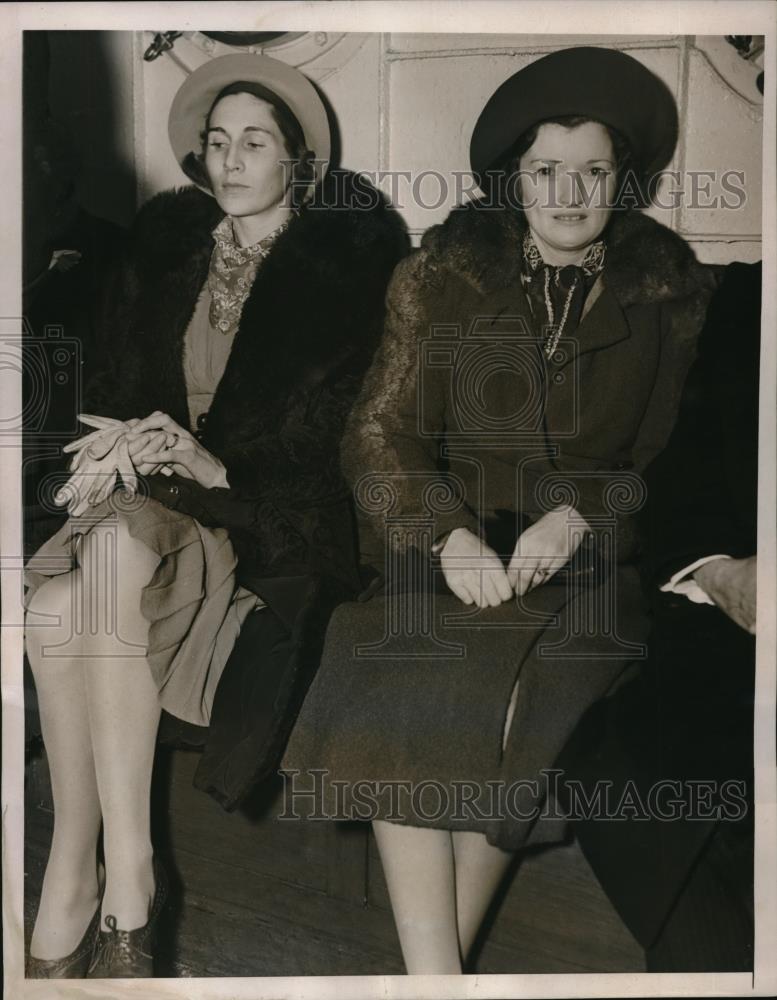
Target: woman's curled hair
[(503, 177)]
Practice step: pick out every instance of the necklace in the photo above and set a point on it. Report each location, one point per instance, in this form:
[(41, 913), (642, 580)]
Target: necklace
[(591, 265), (551, 341)]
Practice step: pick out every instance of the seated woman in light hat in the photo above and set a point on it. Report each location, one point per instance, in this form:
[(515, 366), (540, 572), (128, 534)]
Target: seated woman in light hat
[(559, 325), (240, 325)]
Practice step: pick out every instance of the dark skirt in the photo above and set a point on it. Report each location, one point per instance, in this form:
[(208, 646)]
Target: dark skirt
[(406, 716)]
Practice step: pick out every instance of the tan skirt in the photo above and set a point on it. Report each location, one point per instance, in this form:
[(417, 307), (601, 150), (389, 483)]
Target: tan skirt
[(193, 604)]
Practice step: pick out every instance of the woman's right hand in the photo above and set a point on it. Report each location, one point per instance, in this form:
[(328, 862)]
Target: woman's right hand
[(473, 571)]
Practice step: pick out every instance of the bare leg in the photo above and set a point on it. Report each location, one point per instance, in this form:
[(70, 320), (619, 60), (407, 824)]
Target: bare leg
[(70, 891), (123, 704), (418, 865), (480, 868)]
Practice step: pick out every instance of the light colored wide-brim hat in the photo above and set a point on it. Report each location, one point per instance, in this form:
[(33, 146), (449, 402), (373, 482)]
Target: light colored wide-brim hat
[(199, 90)]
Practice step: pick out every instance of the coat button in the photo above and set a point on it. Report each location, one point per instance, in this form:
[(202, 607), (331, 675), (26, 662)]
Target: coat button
[(624, 466), (173, 490)]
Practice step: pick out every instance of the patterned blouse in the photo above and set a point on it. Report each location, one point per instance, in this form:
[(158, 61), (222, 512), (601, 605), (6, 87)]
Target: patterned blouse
[(211, 332)]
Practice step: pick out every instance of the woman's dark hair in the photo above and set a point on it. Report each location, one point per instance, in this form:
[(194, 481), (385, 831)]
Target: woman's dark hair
[(526, 140), (629, 184), (291, 132)]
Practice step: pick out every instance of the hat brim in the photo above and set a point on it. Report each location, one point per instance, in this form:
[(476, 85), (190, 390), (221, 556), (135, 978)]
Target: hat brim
[(605, 85), (199, 90)]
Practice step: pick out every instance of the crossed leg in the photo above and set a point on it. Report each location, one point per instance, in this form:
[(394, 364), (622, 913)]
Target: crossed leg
[(99, 716)]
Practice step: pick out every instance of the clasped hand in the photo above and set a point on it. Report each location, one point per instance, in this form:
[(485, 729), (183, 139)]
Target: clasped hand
[(127, 449), (476, 575)]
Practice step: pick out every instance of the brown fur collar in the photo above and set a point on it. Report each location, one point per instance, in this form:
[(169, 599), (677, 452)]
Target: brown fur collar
[(646, 262)]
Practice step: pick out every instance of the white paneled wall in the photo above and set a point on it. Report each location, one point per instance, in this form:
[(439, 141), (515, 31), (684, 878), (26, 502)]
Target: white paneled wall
[(408, 103), (722, 131), (440, 95)]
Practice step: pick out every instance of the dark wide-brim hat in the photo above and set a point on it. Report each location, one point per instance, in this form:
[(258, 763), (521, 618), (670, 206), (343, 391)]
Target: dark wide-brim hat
[(199, 90), (603, 84)]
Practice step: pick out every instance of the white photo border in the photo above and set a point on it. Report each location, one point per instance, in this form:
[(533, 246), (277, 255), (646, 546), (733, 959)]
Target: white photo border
[(487, 16)]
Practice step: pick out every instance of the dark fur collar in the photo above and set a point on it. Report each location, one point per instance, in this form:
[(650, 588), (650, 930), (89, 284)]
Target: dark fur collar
[(333, 256), (314, 309), (175, 226), (646, 262)]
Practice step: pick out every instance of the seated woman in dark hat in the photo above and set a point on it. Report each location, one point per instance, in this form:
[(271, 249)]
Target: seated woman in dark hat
[(531, 366), (241, 323)]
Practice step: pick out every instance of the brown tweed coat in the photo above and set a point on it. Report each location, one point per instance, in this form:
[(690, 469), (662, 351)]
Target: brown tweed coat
[(461, 421), (459, 373)]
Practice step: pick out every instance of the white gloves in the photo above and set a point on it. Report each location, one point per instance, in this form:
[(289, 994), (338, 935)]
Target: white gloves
[(99, 459)]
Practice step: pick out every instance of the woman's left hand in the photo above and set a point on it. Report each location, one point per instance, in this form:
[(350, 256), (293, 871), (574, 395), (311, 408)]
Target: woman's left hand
[(183, 452), (544, 548)]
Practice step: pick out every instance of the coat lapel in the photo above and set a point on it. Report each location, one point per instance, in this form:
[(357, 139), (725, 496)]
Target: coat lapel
[(314, 307), (271, 353), (603, 324), (509, 311)]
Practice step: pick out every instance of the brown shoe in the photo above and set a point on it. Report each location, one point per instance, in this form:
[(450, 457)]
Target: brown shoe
[(130, 954), (72, 966)]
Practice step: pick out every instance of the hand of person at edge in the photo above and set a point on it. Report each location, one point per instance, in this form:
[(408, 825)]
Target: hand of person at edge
[(731, 584)]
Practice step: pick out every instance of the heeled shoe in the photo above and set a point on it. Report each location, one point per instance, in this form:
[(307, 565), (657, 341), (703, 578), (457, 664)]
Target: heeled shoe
[(72, 966), (122, 954)]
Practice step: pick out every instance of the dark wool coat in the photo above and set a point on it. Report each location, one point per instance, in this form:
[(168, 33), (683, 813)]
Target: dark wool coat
[(461, 422), (306, 335), (688, 713)]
